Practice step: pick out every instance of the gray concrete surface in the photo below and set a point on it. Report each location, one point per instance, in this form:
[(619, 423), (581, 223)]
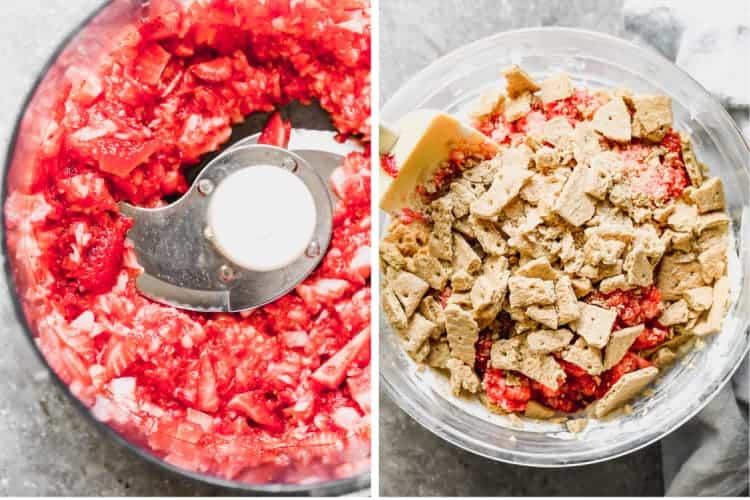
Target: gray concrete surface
[(412, 460)]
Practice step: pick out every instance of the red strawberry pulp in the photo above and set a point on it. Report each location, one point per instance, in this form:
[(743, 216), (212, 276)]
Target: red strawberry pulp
[(280, 394)]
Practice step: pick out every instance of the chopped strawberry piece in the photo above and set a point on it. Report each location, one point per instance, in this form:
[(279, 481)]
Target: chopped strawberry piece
[(650, 338), (208, 400), (218, 70), (482, 358), (388, 164), (359, 388), (119, 356), (276, 132), (151, 63), (629, 363), (444, 296), (408, 216), (120, 156), (633, 306), (504, 395), (331, 373), (256, 406)]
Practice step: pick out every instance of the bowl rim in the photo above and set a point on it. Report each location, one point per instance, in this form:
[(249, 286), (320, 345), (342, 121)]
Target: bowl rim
[(326, 488), (426, 419)]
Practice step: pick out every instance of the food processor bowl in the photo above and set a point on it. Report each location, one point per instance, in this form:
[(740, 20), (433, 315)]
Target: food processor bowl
[(77, 54), (453, 84)]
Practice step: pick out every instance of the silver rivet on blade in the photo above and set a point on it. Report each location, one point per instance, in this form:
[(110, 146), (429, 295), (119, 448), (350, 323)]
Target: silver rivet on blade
[(289, 164), (205, 187), (313, 249), (226, 273)]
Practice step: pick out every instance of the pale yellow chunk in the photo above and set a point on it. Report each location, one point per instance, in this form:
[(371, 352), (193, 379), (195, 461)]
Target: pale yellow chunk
[(506, 185), (537, 268), (393, 309), (699, 299)]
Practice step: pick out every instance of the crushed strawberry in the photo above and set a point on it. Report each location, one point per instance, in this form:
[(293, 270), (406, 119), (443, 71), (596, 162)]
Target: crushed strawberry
[(650, 337), (629, 363), (408, 216), (509, 397), (633, 306), (388, 164), (276, 132), (264, 397)]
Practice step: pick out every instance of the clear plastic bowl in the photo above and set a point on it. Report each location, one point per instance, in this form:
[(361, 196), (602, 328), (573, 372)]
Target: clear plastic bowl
[(452, 84), (78, 52)]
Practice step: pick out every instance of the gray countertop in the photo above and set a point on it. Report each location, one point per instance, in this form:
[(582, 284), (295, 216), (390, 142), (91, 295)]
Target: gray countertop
[(412, 460)]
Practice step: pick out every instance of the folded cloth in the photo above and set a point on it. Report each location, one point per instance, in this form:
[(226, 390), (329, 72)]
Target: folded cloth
[(708, 456), (709, 40)]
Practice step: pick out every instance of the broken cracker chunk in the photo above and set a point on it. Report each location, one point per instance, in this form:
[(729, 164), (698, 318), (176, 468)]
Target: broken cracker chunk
[(462, 377), (567, 302), (393, 309), (585, 356), (652, 116), (525, 292), (518, 82), (693, 168), (676, 313), (709, 196), (573, 204), (429, 269), (547, 316), (715, 317), (506, 185), (556, 88), (409, 288), (699, 299), (619, 344), (419, 330), (462, 332), (612, 120), (594, 324), (548, 341), (626, 388)]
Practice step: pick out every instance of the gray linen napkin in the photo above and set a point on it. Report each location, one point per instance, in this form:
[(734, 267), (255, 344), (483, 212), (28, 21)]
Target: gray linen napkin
[(708, 456)]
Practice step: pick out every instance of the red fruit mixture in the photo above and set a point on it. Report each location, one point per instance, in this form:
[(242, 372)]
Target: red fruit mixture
[(277, 395), (579, 389)]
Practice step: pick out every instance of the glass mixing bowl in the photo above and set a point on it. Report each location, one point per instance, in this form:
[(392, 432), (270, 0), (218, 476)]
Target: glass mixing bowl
[(80, 50), (452, 84)]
